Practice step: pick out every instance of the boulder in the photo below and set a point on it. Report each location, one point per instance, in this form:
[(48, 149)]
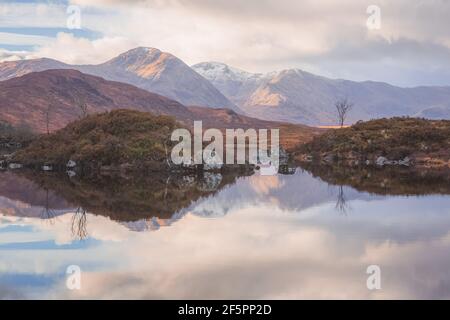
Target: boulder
[(71, 164), (268, 170), (71, 173), (381, 161), (15, 166), (405, 162)]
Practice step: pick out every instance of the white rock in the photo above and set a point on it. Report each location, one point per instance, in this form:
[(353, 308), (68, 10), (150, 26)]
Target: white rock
[(405, 162), (268, 170), (212, 162), (381, 161), (71, 173), (71, 164)]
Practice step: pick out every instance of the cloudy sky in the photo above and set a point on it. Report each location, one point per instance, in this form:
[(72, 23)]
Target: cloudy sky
[(331, 38)]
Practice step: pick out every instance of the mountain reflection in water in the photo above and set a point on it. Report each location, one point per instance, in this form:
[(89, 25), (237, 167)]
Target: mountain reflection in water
[(309, 234)]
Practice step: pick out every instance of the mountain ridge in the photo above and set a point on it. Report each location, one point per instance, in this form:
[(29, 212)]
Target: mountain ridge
[(298, 96), (28, 99), (146, 68)]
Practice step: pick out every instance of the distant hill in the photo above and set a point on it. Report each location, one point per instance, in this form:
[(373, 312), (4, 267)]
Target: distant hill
[(146, 68), (434, 113), (29, 98), (297, 96)]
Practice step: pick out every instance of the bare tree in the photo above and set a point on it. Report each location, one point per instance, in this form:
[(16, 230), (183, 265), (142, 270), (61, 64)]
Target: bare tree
[(81, 104), (343, 107)]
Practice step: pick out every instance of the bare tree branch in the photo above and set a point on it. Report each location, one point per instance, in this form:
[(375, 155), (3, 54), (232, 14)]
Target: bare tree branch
[(343, 107), (341, 202)]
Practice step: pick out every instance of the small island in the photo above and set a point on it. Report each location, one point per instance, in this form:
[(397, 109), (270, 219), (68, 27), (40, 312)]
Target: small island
[(400, 141)]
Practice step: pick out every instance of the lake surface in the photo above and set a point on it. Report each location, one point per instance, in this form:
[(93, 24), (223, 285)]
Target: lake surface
[(302, 235)]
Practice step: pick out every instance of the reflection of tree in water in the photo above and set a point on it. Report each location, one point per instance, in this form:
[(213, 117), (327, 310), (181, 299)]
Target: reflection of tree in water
[(391, 180), (47, 214), (341, 202), (130, 197), (79, 224)]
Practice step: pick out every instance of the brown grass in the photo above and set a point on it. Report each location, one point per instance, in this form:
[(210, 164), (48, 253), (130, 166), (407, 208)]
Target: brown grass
[(393, 138)]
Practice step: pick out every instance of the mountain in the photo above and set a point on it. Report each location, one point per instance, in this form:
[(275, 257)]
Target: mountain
[(25, 102), (434, 113), (234, 83), (301, 97), (13, 69), (29, 98), (146, 68)]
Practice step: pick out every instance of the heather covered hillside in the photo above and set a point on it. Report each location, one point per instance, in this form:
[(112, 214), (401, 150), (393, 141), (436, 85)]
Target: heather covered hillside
[(49, 100), (120, 137), (384, 141)]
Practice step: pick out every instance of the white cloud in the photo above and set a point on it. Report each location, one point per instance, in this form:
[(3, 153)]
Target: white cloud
[(32, 15), (70, 49), (20, 39), (6, 55), (324, 36)]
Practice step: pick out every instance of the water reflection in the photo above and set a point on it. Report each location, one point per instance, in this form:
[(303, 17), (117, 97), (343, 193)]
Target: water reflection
[(156, 198), (385, 181), (302, 235)]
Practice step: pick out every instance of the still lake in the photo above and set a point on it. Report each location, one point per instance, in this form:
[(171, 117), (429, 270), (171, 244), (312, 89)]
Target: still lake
[(293, 236)]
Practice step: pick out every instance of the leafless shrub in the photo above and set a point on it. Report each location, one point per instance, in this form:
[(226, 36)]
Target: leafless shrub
[(343, 107)]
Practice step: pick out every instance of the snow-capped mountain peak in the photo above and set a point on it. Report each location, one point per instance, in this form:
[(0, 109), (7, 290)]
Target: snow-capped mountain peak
[(294, 95), (217, 70), (147, 68)]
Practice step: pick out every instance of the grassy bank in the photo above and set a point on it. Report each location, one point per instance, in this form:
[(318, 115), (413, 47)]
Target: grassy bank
[(424, 142), (117, 138)]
